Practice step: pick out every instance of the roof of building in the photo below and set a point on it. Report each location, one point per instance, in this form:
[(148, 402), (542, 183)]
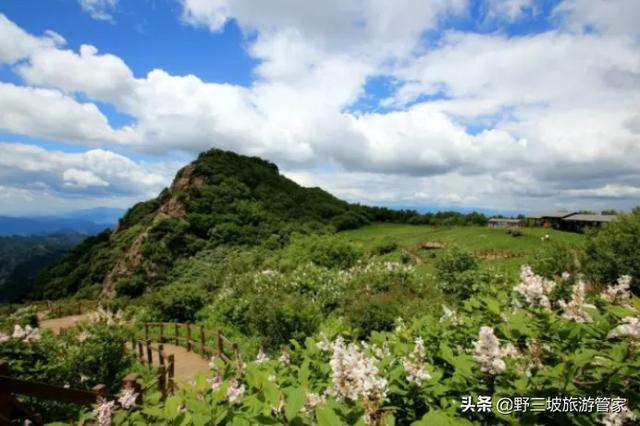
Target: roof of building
[(556, 215), (591, 218), (503, 219)]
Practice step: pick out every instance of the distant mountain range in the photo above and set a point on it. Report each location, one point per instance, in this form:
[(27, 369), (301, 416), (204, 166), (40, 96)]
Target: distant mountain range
[(88, 222)]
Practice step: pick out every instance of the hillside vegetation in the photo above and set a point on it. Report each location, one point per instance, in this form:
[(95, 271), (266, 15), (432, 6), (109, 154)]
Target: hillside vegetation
[(22, 258), (221, 199)]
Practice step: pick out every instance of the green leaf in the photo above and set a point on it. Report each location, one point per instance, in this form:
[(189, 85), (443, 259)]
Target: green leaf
[(303, 374), (172, 407), (295, 401), (327, 417)]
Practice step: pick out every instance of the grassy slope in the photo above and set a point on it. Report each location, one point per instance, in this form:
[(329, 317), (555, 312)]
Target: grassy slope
[(473, 238)]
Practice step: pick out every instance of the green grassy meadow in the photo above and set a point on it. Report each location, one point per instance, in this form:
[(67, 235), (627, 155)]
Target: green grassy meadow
[(477, 239)]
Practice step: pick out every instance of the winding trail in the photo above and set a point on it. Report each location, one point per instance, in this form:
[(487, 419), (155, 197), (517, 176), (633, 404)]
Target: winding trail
[(187, 364), (56, 324)]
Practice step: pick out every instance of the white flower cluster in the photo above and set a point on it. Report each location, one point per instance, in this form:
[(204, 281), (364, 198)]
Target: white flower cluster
[(26, 334), (534, 289), (354, 375), (377, 351), (619, 293), (128, 398), (284, 358), (324, 345), (4, 337), (103, 411), (312, 400), (621, 418), (630, 327), (108, 317), (216, 382), (575, 309), (450, 315), (83, 336), (235, 392), (414, 364), (489, 354), (261, 358)]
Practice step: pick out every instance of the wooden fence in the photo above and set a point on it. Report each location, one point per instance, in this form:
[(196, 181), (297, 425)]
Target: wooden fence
[(194, 338), (166, 367), (57, 310), (11, 408)]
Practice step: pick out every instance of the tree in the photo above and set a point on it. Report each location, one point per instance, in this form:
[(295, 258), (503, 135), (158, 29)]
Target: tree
[(614, 251)]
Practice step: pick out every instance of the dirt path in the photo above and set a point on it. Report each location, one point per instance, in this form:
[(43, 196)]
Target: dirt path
[(187, 364), (56, 324)]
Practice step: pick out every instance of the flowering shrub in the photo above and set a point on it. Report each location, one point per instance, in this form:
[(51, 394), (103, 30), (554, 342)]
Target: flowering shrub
[(524, 341), (91, 353)]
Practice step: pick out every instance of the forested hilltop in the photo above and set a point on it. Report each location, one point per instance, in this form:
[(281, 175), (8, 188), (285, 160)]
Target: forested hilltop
[(221, 199)]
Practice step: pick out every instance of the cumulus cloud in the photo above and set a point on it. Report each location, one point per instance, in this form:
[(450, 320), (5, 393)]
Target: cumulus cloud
[(101, 10), (473, 118), (50, 114), (94, 173)]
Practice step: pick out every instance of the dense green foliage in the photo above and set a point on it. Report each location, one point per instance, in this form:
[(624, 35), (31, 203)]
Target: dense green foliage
[(614, 251), (498, 343), (22, 258)]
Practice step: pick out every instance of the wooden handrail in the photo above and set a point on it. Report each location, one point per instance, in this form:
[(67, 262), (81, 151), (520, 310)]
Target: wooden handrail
[(10, 386), (190, 342)]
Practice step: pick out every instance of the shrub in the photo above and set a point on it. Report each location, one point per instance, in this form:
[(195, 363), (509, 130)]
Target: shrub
[(333, 253), (613, 251), (385, 247), (178, 303), (282, 318), (554, 259), (132, 286), (455, 271), (349, 220)]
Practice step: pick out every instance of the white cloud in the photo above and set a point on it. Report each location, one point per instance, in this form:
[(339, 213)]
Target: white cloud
[(509, 10), (16, 44), (82, 178), (515, 119), (49, 114), (105, 77), (101, 10), (94, 173), (617, 17)]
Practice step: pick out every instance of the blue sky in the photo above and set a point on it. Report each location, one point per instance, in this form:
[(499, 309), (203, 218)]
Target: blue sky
[(492, 104)]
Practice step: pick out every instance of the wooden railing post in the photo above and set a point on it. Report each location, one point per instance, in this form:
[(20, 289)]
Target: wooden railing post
[(188, 337), (161, 332), (140, 352), (131, 380), (177, 332), (5, 396), (170, 372), (146, 331), (220, 344), (161, 353), (202, 340), (162, 380), (149, 353)]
